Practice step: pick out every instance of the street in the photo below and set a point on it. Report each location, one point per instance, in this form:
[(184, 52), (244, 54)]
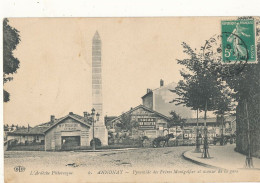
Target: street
[(168, 157)]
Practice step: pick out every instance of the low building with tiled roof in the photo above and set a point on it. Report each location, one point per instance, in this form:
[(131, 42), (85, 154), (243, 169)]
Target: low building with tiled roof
[(214, 126), (209, 121), (69, 131), (28, 135)]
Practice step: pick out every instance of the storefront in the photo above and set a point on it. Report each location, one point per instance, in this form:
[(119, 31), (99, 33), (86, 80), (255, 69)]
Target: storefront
[(68, 132), (147, 122)]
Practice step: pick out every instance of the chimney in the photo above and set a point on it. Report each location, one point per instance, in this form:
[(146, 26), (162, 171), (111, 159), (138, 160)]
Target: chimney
[(148, 90), (52, 118), (161, 83), (70, 113), (85, 114)]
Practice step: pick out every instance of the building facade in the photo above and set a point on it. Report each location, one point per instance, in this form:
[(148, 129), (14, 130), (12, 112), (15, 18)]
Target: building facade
[(27, 136), (214, 126), (160, 99), (147, 122), (68, 132)]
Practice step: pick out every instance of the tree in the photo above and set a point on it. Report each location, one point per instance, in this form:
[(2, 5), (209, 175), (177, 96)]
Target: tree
[(246, 86), (224, 105), (11, 39), (126, 122), (199, 89), (176, 121)]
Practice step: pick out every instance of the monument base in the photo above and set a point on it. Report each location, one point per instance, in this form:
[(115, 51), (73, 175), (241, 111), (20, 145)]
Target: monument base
[(102, 133)]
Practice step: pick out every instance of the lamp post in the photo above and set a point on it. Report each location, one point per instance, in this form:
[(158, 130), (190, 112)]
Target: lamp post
[(93, 126)]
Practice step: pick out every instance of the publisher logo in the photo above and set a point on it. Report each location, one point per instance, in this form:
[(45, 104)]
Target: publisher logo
[(19, 169)]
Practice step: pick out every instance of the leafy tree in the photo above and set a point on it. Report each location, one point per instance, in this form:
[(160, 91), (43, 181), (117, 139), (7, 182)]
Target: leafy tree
[(6, 127), (200, 89), (176, 120), (126, 122), (11, 39)]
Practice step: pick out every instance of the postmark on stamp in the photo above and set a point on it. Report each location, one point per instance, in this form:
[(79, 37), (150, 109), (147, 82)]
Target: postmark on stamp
[(213, 51), (238, 41), (230, 51)]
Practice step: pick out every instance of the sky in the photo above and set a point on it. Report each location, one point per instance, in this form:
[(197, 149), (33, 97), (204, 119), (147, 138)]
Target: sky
[(54, 77)]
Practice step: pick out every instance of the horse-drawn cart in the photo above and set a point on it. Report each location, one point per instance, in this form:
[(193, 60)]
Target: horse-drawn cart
[(224, 140), (160, 141)]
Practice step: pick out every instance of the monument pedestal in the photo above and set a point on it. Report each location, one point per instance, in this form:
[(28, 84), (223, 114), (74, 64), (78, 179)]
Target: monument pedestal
[(102, 134)]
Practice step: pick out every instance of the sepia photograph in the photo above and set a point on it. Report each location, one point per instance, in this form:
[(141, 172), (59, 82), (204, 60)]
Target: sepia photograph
[(148, 99)]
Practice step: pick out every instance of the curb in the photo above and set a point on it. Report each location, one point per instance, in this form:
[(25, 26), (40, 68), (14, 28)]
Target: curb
[(105, 150), (199, 163)]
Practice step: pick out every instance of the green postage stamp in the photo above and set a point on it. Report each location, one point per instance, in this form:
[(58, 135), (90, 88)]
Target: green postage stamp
[(238, 41)]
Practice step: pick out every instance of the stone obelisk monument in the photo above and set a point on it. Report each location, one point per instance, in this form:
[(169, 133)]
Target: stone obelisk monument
[(97, 99)]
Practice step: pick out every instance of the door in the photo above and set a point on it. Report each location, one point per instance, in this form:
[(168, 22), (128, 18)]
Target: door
[(70, 142)]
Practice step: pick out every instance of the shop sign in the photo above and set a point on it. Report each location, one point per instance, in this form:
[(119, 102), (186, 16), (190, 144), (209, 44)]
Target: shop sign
[(146, 123), (69, 126)]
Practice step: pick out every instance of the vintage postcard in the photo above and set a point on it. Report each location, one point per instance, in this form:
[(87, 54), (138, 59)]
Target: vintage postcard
[(169, 99)]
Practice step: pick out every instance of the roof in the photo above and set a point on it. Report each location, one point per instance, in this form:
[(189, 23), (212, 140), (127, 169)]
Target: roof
[(209, 120), (144, 107), (148, 93), (109, 118), (151, 91), (77, 117), (44, 127), (32, 131)]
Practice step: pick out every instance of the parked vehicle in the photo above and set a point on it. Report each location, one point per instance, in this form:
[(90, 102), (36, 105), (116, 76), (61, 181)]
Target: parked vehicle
[(223, 141)]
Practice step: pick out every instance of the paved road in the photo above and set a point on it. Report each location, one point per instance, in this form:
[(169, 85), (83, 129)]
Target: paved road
[(169, 157)]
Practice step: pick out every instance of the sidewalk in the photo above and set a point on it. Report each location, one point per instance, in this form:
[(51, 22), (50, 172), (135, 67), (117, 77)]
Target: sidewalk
[(221, 157)]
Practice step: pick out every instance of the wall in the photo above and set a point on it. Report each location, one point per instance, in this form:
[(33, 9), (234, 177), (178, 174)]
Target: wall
[(68, 127), (140, 113), (162, 98), (148, 100), (23, 138)]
